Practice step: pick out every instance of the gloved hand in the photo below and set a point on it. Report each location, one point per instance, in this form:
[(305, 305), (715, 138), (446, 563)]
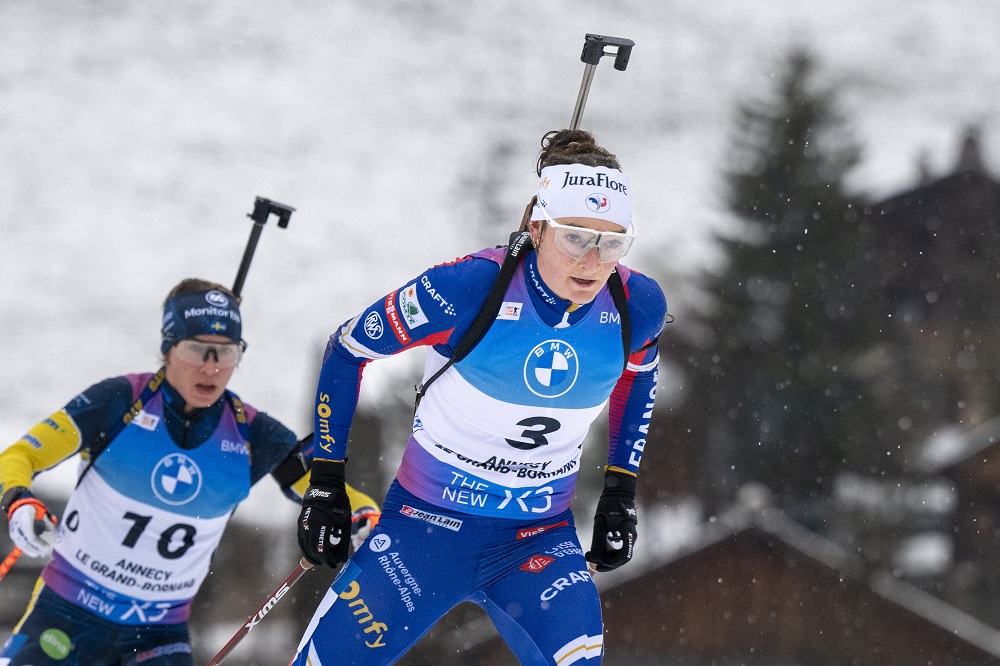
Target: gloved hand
[(363, 521), (614, 523), (325, 520), (32, 527)]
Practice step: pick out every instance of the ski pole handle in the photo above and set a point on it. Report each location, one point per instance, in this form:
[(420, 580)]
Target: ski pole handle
[(262, 209), (304, 565), (593, 51), (9, 561)]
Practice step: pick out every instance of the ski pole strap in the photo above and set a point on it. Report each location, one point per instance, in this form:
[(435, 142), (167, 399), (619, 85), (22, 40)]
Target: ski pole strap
[(519, 240)]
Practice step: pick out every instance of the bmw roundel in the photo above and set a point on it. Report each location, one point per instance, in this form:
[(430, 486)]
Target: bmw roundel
[(598, 203), (551, 369), (176, 479)]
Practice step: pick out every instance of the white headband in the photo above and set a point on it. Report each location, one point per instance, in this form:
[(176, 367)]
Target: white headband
[(578, 190)]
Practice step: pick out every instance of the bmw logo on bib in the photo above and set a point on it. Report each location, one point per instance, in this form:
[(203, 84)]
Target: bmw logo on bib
[(176, 479), (551, 369)]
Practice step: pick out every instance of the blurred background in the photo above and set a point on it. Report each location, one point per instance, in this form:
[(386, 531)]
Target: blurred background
[(816, 191)]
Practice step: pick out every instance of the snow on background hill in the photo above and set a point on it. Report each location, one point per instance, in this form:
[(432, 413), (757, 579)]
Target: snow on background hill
[(135, 136)]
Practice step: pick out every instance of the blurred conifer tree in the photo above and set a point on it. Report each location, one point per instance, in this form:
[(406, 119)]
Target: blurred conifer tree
[(775, 390)]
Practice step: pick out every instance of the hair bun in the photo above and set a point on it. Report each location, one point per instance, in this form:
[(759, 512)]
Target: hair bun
[(567, 146)]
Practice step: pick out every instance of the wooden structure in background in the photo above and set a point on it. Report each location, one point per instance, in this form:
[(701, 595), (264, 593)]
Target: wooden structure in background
[(759, 589)]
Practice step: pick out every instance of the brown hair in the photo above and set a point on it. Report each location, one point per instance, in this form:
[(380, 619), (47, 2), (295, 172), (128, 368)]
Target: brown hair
[(191, 285), (568, 146)]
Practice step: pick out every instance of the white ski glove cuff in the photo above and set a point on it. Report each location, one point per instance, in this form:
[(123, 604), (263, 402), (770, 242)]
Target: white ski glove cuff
[(33, 529)]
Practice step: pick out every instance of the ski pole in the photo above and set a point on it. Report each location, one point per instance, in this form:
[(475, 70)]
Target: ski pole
[(593, 51), (262, 210), (8, 561), (303, 566)]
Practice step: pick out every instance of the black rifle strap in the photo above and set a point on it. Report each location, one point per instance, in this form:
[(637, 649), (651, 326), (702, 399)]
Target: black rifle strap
[(519, 240), (151, 387), (491, 307), (617, 290)]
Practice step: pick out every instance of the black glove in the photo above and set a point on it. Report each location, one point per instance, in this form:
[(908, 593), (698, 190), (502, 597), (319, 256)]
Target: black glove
[(614, 523), (325, 519)]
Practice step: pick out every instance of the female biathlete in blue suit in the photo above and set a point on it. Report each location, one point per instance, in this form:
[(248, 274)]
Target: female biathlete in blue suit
[(167, 456), (480, 508)]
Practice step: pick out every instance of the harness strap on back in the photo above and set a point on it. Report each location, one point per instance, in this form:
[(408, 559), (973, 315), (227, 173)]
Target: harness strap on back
[(617, 290), (519, 240)]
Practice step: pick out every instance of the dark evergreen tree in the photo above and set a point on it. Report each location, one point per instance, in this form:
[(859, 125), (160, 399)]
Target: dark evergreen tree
[(775, 390)]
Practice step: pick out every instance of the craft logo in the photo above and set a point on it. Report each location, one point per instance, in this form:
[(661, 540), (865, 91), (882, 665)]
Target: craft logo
[(536, 563), (176, 479), (409, 307), (551, 369), (217, 298), (598, 203), (374, 326)]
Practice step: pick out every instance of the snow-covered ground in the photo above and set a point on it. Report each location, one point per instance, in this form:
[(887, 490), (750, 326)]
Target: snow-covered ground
[(135, 136)]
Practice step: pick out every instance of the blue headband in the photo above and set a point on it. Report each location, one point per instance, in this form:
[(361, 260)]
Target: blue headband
[(200, 313)]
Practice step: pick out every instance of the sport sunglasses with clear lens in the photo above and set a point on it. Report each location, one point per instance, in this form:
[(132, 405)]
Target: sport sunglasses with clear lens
[(578, 241), (226, 355)]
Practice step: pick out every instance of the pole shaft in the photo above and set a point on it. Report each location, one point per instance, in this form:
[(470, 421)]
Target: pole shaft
[(9, 561), (303, 566)]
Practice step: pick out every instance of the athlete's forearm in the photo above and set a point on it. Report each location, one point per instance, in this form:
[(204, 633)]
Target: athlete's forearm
[(630, 411), (336, 401)]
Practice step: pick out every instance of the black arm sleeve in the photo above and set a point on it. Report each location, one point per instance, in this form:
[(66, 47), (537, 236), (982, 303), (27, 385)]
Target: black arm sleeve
[(271, 443)]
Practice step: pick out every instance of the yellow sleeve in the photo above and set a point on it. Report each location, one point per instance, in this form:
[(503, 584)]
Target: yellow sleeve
[(359, 500), (44, 446), (301, 486)]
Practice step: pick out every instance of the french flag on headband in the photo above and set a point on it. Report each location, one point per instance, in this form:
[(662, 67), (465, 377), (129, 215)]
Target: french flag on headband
[(578, 190)]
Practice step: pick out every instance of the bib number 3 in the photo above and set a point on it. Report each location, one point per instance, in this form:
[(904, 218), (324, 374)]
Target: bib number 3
[(535, 430)]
